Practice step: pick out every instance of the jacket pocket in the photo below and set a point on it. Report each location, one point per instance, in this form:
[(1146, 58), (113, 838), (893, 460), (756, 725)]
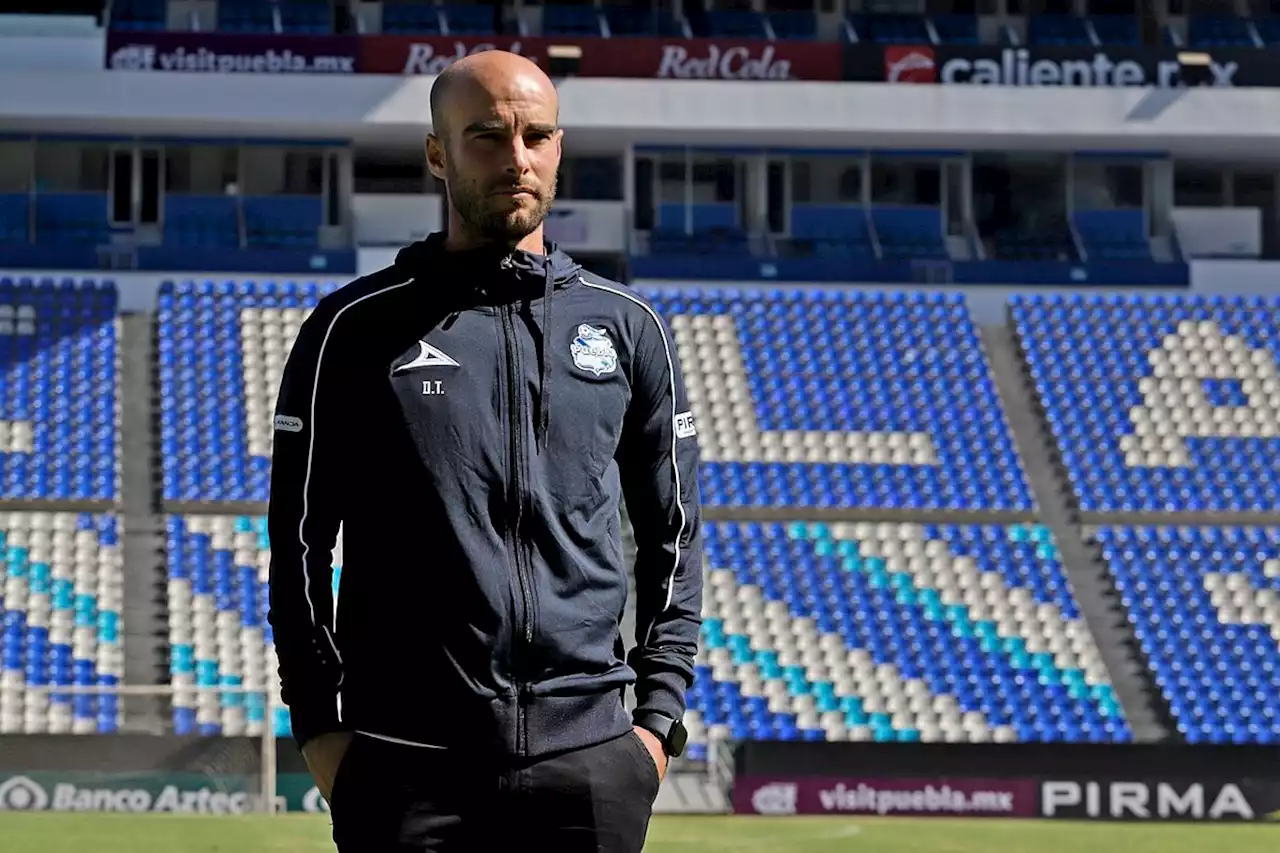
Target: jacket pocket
[(647, 767)]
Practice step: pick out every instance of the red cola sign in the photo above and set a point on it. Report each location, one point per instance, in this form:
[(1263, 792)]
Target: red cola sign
[(654, 58)]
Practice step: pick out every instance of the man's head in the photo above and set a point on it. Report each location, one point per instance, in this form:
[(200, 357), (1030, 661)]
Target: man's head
[(495, 142)]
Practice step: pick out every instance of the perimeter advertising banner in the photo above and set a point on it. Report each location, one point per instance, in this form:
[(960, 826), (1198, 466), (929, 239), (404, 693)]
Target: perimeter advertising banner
[(141, 792), (995, 65), (230, 53), (1071, 799), (655, 58), (886, 796)]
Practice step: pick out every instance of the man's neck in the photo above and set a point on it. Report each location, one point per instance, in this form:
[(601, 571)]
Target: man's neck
[(456, 241)]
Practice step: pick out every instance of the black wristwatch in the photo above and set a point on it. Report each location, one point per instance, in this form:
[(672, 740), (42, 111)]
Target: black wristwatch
[(671, 733)]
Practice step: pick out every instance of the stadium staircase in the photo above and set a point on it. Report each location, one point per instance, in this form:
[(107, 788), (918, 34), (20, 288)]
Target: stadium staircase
[(145, 632), (1091, 581)]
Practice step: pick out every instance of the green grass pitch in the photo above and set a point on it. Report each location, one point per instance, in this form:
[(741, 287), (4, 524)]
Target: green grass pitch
[(113, 833)]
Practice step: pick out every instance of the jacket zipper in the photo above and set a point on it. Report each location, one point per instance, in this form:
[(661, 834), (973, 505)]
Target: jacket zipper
[(523, 629)]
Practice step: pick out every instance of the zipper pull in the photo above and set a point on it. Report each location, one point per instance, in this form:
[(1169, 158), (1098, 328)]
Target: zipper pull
[(507, 263)]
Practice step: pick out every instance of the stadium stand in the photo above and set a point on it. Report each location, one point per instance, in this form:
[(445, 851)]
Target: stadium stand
[(895, 632), (218, 569), (1158, 404), (61, 604), (843, 399), (221, 350), (58, 410), (1205, 603)]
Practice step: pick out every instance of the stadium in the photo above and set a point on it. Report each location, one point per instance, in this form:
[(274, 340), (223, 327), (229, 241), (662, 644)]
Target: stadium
[(978, 309)]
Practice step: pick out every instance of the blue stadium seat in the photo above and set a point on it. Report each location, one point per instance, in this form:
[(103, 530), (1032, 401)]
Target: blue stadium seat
[(282, 221), (832, 229), (463, 20), (894, 632), (956, 29), (311, 17), (1159, 404), (1114, 235), (802, 25), (907, 231), (57, 390), (571, 21), (1117, 29), (1048, 29), (246, 16), (889, 28), (403, 18), (15, 218), (1219, 31), (61, 596), (635, 21), (1268, 28), (218, 632), (842, 399), (1205, 606), (201, 221), (736, 23), (72, 219), (139, 15)]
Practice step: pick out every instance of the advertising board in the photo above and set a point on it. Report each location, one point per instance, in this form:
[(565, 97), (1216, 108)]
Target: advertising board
[(1151, 799), (656, 58), (1053, 65), (230, 53)]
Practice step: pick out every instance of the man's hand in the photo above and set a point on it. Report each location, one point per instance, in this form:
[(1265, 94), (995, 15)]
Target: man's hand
[(651, 743), (323, 753)]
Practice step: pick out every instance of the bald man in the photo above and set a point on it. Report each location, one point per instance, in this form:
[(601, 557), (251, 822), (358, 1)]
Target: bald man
[(473, 416)]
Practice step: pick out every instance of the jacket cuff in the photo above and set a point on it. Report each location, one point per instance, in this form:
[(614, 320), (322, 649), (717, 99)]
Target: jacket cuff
[(660, 694), (314, 717)]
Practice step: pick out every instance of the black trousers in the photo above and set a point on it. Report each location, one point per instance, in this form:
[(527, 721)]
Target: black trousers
[(389, 797)]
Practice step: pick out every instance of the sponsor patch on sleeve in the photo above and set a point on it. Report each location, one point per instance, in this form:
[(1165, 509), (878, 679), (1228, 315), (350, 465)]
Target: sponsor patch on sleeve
[(288, 423), (685, 427)]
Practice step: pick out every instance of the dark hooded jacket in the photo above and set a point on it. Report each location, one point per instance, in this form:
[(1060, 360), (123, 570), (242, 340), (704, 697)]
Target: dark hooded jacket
[(472, 420)]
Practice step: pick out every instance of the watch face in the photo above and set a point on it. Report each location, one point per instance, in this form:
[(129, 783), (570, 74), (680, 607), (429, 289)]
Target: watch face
[(677, 738)]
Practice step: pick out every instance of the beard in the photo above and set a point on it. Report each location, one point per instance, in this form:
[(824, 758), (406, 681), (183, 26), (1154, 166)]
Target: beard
[(495, 218)]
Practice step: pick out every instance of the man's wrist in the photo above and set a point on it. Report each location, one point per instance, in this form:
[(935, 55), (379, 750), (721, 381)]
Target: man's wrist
[(669, 732)]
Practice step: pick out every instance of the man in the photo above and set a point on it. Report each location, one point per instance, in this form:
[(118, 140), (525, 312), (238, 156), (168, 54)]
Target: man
[(473, 416)]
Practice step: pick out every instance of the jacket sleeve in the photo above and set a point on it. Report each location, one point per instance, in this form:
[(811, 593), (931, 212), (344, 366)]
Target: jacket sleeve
[(658, 465), (302, 522)]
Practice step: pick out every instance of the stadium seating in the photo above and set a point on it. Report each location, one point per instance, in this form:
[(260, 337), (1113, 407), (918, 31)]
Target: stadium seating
[(218, 631), (1205, 605), (1113, 235), (15, 218), (222, 350), (571, 21), (58, 418), (894, 632), (842, 399), (1159, 403), (61, 592), (824, 400), (139, 14)]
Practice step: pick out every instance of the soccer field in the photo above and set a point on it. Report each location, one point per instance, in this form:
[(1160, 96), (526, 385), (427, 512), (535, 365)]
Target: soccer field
[(76, 833)]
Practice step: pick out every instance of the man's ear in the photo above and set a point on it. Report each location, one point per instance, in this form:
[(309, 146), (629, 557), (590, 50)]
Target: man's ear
[(436, 157)]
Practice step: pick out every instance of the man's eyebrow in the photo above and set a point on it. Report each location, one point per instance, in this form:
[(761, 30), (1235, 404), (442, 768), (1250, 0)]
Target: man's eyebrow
[(497, 125)]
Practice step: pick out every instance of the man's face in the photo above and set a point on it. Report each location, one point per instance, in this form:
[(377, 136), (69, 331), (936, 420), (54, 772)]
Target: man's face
[(500, 159)]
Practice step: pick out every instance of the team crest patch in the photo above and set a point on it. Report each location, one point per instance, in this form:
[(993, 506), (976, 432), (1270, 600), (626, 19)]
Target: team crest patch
[(592, 350)]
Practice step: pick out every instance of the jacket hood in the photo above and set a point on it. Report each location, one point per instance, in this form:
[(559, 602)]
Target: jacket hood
[(495, 272)]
